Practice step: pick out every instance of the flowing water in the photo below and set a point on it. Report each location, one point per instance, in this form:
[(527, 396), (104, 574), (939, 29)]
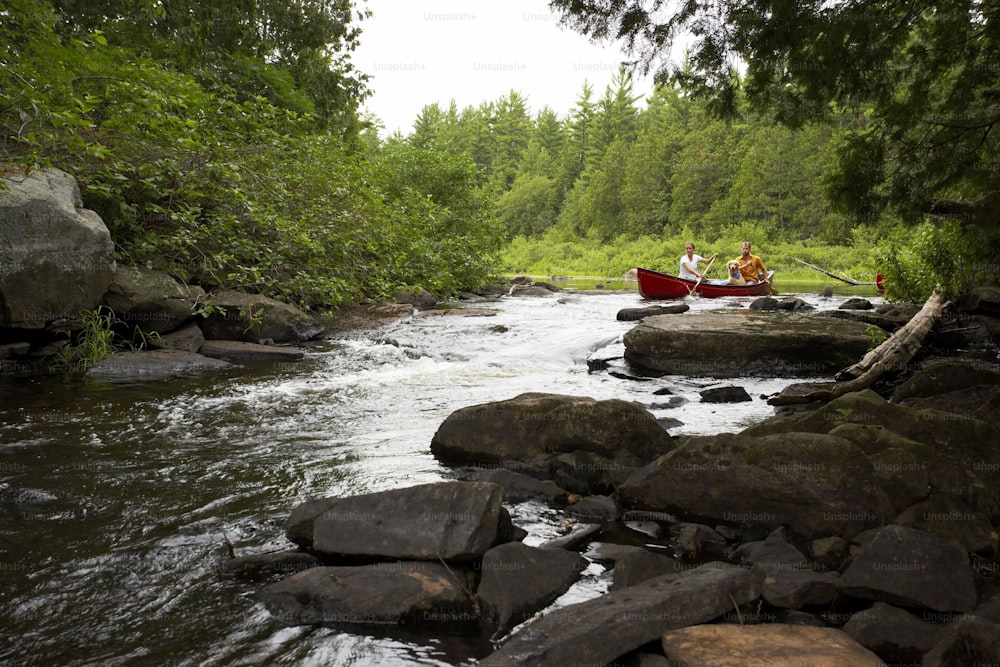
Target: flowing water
[(115, 498)]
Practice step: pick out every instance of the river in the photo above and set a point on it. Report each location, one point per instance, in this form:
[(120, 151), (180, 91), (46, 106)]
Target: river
[(115, 497)]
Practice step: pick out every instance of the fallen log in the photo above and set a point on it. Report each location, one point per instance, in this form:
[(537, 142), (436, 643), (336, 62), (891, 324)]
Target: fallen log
[(893, 354), (849, 281)]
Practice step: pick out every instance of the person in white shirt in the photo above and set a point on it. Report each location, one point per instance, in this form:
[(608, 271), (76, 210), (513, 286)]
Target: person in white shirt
[(689, 263)]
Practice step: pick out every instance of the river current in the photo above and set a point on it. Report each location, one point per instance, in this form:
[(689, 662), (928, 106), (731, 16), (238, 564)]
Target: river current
[(116, 498)]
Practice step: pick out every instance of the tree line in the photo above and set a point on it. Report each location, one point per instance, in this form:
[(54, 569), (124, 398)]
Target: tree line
[(221, 142)]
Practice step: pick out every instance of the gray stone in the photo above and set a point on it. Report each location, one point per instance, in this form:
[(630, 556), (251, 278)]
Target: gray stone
[(600, 630), (635, 314), (151, 301), (969, 642), (724, 395), (187, 339), (856, 303), (56, 257), (441, 520), (153, 364), (794, 588), (518, 580), (912, 568), (252, 318), (417, 297), (238, 352), (724, 344), (895, 635), (639, 565), (517, 487), (815, 484)]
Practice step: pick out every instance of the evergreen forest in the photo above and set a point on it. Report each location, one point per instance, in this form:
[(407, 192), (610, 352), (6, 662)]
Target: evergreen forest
[(225, 145)]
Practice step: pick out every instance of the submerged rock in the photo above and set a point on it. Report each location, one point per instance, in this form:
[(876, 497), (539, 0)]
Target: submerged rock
[(393, 593), (153, 364)]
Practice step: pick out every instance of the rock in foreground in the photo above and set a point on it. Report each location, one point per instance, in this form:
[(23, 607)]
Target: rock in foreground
[(771, 645)]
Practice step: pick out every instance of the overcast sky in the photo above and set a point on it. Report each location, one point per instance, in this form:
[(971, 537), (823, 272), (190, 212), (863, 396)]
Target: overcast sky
[(474, 51)]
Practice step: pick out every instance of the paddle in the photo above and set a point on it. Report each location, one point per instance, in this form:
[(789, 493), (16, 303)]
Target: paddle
[(770, 277), (702, 275)]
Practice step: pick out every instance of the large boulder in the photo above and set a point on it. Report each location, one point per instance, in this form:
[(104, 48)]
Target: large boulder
[(956, 451), (600, 630), (252, 318), (440, 520), (912, 568), (815, 484), (586, 445), (56, 257), (151, 301), (734, 344)]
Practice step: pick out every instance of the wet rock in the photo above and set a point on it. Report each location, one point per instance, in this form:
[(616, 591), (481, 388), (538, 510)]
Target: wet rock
[(856, 304), (911, 568), (815, 484), (261, 566), (601, 629), (957, 452), (947, 375), (593, 509), (187, 339), (828, 552), (950, 518), (417, 297), (887, 323), (764, 303), (151, 301), (895, 635), (774, 552), (725, 395), (416, 593), (826, 291), (252, 318), (578, 536), (56, 257), (768, 645), (731, 344), (531, 290), (794, 303), (518, 487), (794, 588), (518, 580), (635, 314), (153, 364), (442, 520), (640, 565), (238, 352), (590, 444), (694, 539)]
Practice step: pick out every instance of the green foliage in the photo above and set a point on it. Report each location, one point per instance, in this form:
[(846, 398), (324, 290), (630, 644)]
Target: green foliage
[(94, 342), (942, 256), (916, 82), (220, 144)]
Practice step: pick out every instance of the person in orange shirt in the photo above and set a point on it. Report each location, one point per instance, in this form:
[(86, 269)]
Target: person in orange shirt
[(751, 267)]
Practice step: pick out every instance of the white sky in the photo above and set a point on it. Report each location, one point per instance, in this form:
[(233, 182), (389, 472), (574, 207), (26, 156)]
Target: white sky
[(474, 51)]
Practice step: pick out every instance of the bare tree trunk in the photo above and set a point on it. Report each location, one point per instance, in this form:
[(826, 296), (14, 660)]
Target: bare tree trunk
[(893, 354)]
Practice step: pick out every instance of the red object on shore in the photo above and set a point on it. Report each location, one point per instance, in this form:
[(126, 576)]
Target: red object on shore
[(655, 285)]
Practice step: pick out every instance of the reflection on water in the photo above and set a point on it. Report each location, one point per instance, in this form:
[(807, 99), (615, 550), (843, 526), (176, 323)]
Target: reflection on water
[(115, 498)]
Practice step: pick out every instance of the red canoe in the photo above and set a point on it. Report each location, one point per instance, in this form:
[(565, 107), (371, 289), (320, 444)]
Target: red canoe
[(654, 285)]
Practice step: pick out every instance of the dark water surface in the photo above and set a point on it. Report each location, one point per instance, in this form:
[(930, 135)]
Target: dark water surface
[(115, 497)]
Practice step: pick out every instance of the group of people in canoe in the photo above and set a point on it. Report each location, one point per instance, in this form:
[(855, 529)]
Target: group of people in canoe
[(747, 269)]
